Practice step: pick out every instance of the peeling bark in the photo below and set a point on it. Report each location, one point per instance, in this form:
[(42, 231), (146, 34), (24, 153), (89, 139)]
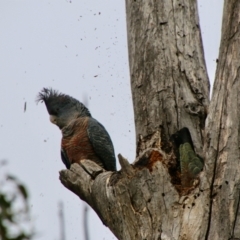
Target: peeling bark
[(139, 202)]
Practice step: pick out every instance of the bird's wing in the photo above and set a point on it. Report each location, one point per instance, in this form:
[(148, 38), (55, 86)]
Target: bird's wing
[(102, 144), (65, 158), (189, 160), (191, 164)]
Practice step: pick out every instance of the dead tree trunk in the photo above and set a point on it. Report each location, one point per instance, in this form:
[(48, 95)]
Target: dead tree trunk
[(169, 82), (222, 144), (170, 87)]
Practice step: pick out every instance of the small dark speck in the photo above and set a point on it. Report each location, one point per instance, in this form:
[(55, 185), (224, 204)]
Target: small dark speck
[(163, 194), (99, 13), (183, 205), (25, 106), (45, 140), (65, 46), (220, 186), (163, 23), (95, 75), (214, 195), (193, 204), (226, 182)]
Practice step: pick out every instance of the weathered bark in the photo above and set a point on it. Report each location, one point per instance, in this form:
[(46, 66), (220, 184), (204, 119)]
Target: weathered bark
[(169, 82), (170, 87), (222, 144), (139, 202)]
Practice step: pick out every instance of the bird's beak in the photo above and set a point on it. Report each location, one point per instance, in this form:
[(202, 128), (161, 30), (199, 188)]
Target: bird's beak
[(53, 119)]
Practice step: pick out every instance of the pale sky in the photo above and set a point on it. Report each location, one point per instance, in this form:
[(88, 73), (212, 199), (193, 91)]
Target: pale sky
[(78, 48)]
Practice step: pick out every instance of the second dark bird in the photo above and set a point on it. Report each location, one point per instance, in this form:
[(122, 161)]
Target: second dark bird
[(191, 164), (83, 137)]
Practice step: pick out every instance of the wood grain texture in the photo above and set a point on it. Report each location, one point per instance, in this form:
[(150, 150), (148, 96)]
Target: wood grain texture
[(223, 132), (139, 203), (170, 86)]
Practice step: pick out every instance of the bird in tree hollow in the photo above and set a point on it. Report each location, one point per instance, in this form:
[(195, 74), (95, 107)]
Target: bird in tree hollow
[(83, 137), (190, 163)]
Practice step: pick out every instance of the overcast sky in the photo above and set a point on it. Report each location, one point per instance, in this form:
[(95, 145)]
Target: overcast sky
[(79, 48)]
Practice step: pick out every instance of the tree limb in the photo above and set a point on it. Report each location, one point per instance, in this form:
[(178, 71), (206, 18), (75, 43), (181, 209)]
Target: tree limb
[(127, 201)]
